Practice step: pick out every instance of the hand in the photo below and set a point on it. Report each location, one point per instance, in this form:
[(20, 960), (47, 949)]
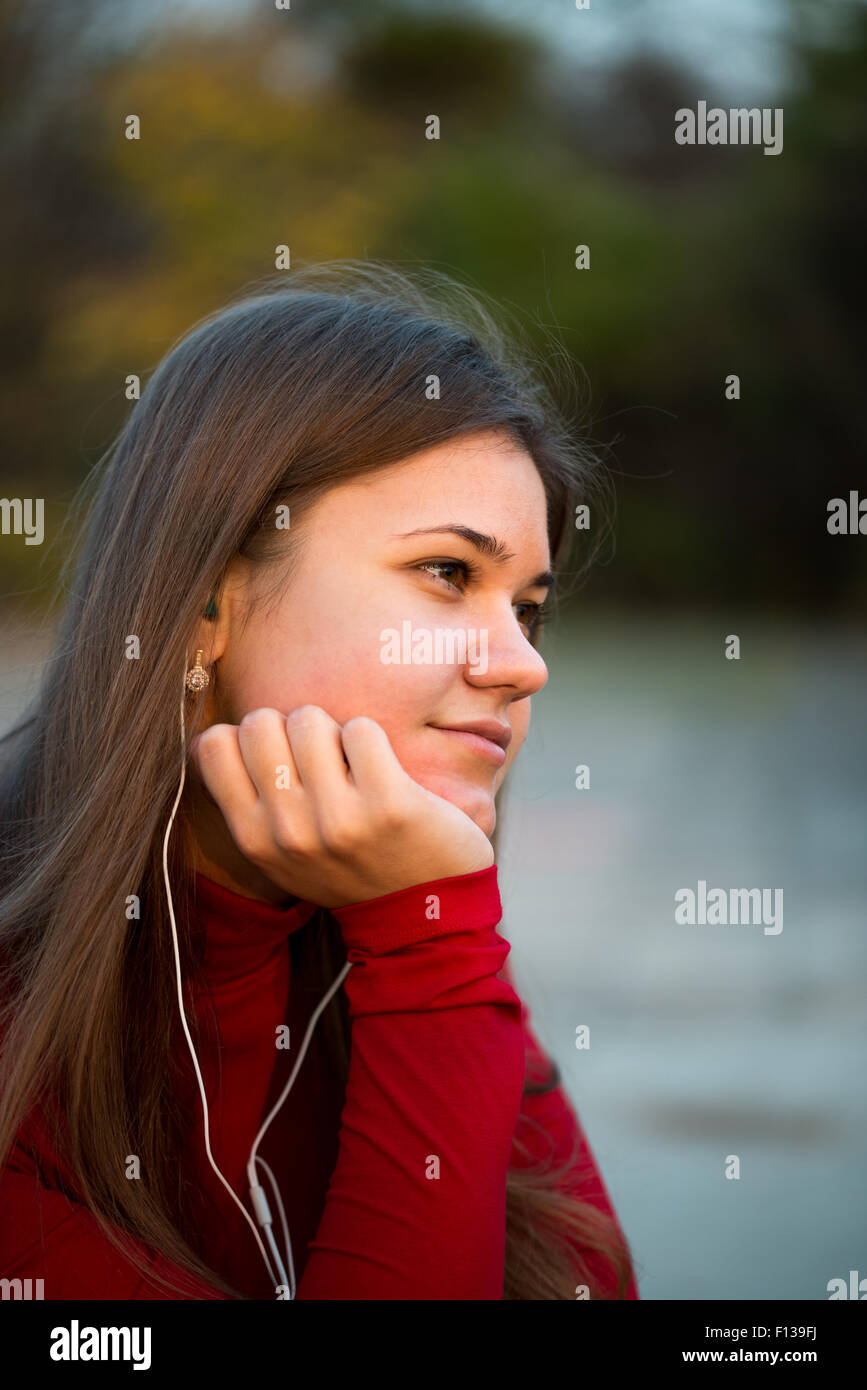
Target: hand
[(346, 823)]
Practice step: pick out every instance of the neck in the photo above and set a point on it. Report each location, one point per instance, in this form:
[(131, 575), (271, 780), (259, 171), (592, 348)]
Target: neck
[(217, 856)]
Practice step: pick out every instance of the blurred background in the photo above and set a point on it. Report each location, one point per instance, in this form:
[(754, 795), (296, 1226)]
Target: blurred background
[(306, 126)]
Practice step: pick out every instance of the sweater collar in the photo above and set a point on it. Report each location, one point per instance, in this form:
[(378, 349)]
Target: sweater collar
[(241, 934)]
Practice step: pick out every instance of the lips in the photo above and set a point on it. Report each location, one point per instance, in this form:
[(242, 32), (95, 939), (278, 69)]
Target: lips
[(490, 729), (487, 737)]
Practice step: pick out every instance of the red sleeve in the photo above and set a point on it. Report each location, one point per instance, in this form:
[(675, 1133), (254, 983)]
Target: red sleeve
[(416, 1207), (548, 1126)]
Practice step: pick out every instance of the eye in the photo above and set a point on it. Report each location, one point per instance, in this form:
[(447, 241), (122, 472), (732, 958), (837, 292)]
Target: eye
[(535, 620), (536, 613), (463, 567)]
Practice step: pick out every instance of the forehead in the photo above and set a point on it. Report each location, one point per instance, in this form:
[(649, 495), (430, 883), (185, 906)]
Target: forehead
[(485, 481)]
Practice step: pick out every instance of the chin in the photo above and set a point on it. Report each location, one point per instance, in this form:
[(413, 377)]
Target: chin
[(475, 802)]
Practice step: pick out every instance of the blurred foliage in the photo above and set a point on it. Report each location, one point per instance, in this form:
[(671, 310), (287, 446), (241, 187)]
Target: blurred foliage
[(309, 130)]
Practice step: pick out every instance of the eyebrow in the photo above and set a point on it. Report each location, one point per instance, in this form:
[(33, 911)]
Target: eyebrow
[(486, 545)]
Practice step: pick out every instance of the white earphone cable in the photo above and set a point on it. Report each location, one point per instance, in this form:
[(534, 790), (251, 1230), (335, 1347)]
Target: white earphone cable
[(290, 1284), (257, 1192), (255, 1187)]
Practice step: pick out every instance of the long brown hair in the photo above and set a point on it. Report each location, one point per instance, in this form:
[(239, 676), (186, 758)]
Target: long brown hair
[(303, 381)]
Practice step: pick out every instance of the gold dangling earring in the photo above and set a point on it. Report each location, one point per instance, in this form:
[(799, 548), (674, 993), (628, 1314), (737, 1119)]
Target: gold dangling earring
[(197, 677)]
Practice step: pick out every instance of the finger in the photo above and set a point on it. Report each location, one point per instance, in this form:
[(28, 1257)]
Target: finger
[(318, 752), (217, 756), (268, 755), (374, 765), (195, 772)]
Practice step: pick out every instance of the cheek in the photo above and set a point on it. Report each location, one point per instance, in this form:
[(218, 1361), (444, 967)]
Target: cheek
[(332, 657), (403, 699)]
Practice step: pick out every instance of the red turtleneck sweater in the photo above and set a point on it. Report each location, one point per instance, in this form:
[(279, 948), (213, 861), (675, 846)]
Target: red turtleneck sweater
[(399, 1194)]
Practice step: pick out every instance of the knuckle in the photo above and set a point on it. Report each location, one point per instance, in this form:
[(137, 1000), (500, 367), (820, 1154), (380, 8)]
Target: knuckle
[(255, 717), (247, 838), (390, 812), (301, 713), (211, 739), (284, 837), (294, 838), (338, 831), (361, 723)]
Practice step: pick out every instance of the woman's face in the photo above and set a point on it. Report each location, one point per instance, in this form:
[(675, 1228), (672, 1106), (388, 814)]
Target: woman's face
[(366, 594)]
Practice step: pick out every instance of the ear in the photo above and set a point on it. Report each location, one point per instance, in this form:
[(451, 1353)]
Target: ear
[(220, 613)]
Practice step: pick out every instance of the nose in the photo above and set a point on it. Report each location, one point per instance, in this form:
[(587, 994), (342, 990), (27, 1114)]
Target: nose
[(501, 655)]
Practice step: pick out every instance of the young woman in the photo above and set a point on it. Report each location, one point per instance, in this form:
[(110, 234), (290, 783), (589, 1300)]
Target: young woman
[(257, 795)]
